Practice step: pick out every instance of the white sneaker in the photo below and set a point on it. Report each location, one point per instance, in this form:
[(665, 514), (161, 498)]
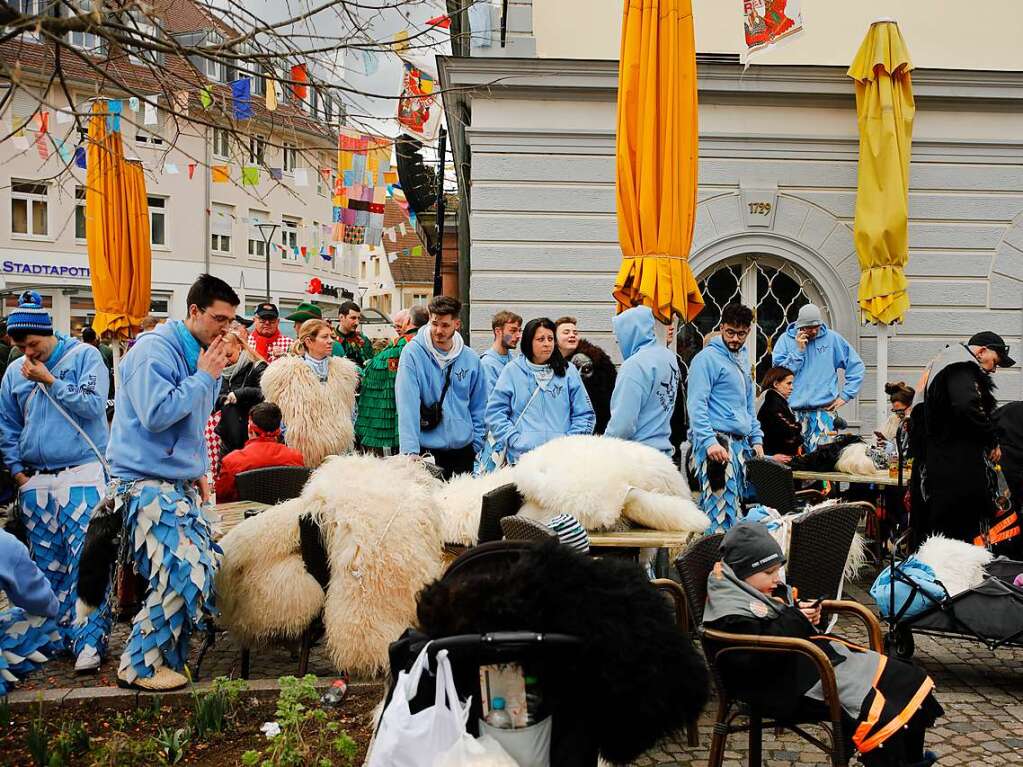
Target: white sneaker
[(88, 660)]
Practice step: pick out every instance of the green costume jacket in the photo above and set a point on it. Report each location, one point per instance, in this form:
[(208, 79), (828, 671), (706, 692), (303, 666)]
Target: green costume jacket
[(377, 421)]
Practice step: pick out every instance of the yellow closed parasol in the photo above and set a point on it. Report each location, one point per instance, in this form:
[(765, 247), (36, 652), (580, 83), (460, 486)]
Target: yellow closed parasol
[(657, 158)]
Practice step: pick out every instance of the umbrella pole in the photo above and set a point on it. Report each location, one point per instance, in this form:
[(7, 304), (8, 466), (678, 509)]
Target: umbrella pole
[(883, 334), (116, 349)]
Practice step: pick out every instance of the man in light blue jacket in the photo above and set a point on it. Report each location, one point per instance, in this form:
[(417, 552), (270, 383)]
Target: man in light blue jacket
[(507, 327), (440, 393), (169, 381), (815, 353), (539, 396), (723, 426), (647, 384), (28, 629), (53, 432)]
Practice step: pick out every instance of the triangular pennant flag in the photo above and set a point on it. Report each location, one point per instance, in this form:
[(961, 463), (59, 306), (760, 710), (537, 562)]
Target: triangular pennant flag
[(80, 156), (64, 151), (133, 103), (325, 172), (206, 98), (444, 22), (370, 62), (42, 147), (270, 85), (299, 78), (276, 173), (221, 173), (241, 98), (171, 169), (191, 169), (250, 175), (400, 41)]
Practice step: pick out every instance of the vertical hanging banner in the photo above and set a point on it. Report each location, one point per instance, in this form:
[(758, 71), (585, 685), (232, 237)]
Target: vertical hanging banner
[(363, 163), (768, 21), (241, 98), (299, 78), (419, 107)]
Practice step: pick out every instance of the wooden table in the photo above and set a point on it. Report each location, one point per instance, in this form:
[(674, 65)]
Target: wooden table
[(642, 539), (234, 512), (881, 478)]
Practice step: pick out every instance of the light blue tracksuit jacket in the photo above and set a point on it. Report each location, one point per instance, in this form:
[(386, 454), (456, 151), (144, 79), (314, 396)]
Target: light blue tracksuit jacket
[(33, 433), (420, 380), (720, 397), (492, 364), (22, 581), (647, 385), (160, 411), (816, 368), (562, 408)]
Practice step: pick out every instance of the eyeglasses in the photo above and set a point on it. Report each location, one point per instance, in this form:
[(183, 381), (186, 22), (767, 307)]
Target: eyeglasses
[(220, 319), (738, 335)]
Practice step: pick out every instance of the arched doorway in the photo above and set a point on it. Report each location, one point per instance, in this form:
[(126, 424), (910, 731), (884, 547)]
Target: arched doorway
[(774, 287)]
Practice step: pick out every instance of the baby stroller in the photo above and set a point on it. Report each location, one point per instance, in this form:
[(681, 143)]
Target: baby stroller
[(488, 589)]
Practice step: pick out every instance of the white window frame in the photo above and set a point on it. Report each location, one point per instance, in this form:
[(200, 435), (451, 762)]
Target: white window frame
[(289, 237), (222, 136), (220, 242), (256, 245), (148, 135), (290, 155), (80, 212), (257, 150), (31, 200), (161, 210), (144, 26)]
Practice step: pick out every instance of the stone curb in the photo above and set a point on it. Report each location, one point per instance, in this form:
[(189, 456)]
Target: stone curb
[(263, 690)]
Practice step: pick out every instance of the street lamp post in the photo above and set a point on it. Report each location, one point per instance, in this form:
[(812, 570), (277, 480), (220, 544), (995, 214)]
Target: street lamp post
[(263, 227)]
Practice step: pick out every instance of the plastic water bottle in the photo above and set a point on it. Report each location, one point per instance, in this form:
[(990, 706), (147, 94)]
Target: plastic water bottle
[(498, 717), (534, 701)]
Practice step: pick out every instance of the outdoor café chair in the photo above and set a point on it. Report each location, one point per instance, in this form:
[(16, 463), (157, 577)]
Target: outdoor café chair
[(819, 547), (694, 566), (501, 502), (775, 487), (272, 485)]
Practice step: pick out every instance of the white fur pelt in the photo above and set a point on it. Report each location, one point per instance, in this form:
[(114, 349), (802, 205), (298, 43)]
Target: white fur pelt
[(957, 564), (459, 500), (317, 417), (854, 460), (383, 544)]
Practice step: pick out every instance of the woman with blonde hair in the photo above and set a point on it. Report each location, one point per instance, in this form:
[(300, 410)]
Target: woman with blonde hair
[(316, 394)]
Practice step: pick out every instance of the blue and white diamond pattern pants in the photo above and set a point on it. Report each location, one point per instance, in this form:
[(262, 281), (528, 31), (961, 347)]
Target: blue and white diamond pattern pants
[(26, 641), (723, 506), (175, 554), (56, 509), (817, 427)]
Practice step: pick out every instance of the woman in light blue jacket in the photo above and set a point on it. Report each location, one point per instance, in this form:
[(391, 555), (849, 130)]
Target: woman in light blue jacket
[(538, 396)]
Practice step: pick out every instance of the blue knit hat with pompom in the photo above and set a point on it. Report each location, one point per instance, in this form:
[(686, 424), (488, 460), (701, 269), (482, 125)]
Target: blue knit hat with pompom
[(30, 316)]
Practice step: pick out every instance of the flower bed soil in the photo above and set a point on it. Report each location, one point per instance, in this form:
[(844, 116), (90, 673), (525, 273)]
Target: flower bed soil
[(354, 715)]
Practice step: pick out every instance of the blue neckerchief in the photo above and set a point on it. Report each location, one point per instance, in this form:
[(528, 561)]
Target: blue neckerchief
[(189, 346), (321, 368), (58, 351)]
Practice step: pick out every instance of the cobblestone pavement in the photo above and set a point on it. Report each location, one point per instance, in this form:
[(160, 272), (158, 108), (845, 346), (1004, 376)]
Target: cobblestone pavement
[(981, 691)]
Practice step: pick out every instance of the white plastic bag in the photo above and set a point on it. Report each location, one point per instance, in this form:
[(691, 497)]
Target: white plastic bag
[(404, 739), (528, 746), (472, 752)]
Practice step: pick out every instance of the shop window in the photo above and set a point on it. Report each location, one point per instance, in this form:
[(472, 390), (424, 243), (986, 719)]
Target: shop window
[(80, 213), (29, 208), (157, 220)]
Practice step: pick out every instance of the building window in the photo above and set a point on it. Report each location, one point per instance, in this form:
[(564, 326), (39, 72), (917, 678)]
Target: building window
[(290, 157), (157, 220), (376, 267), (362, 270), (289, 238), (143, 136), (221, 143), (214, 70), (257, 245), (257, 148), (222, 219), (29, 201), (86, 41), (420, 298), (145, 32), (80, 213)]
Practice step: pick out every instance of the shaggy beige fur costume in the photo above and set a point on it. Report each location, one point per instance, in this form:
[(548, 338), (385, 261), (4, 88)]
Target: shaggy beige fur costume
[(383, 545), (317, 417)]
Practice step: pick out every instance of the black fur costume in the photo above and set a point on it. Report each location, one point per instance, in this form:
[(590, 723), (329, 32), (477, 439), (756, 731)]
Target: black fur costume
[(599, 380), (637, 676), (825, 456)]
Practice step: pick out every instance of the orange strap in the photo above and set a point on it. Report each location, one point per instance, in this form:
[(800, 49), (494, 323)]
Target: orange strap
[(898, 721), (860, 736), (1005, 530)]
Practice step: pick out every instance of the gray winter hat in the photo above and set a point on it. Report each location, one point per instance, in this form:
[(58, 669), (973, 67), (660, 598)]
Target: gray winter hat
[(808, 317), (748, 548)]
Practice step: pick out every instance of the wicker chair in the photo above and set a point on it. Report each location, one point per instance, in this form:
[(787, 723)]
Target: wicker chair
[(694, 566), (516, 528), (775, 487), (272, 485), (501, 502), (819, 547)]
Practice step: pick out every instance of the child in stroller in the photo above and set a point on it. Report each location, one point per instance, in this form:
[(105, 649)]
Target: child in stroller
[(619, 675), (887, 704)]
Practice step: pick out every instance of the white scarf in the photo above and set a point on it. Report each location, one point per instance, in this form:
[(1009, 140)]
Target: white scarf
[(543, 374), (443, 358), (319, 367)]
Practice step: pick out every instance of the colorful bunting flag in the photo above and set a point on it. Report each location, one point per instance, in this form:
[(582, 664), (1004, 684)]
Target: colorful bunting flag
[(270, 85), (80, 156), (277, 174), (443, 22), (399, 44), (114, 109), (299, 78), (65, 116), (370, 62), (171, 169), (206, 98), (191, 169), (250, 175), (419, 112), (221, 174), (301, 177), (63, 150), (241, 98), (149, 117), (133, 103)]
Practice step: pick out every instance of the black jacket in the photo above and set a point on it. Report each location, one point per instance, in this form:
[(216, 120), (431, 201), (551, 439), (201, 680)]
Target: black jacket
[(234, 419), (599, 378), (782, 432)]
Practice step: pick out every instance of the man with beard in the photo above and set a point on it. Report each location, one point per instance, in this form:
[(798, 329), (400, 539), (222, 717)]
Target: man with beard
[(594, 365), (723, 426), (356, 346), (954, 440), (507, 327)]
